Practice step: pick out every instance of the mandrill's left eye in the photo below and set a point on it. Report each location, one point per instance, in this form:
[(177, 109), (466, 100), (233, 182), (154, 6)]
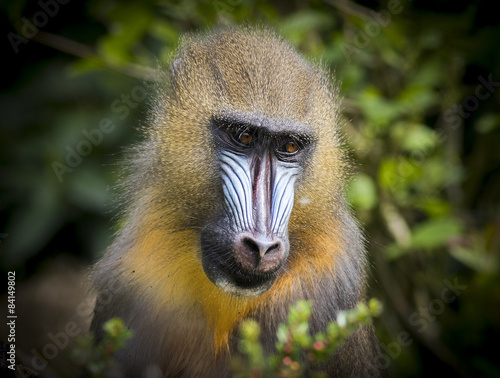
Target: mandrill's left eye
[(290, 147)]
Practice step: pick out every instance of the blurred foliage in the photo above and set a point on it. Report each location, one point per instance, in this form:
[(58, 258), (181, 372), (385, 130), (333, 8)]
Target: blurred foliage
[(296, 349), (97, 360), (421, 116)]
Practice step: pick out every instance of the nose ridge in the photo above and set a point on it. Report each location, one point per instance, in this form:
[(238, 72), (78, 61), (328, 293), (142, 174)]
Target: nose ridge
[(262, 177), (259, 252)]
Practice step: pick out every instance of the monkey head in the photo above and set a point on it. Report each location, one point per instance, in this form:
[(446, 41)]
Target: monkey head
[(258, 113), (235, 210)]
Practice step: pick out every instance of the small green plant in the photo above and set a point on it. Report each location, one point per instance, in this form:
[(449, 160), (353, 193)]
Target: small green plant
[(97, 359), (297, 349)]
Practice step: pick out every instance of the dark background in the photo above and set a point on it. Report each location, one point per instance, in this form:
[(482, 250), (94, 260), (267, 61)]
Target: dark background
[(421, 102)]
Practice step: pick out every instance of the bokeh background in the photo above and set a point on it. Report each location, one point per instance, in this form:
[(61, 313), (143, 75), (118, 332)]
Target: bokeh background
[(421, 95)]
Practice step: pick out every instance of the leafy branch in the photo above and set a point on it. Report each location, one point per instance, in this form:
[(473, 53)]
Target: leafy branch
[(297, 350), (97, 360)]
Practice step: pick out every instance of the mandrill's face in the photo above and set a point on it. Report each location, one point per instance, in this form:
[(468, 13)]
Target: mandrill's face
[(260, 160), (266, 122)]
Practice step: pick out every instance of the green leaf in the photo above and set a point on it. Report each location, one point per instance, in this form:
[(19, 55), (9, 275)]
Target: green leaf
[(475, 259), (435, 207), (299, 24), (129, 23), (417, 138), (397, 173), (376, 108), (388, 173), (429, 74), (164, 31), (282, 333), (487, 123), (435, 233), (362, 192), (417, 98)]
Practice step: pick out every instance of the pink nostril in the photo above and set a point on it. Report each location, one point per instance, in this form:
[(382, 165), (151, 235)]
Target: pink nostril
[(260, 247), (256, 252)]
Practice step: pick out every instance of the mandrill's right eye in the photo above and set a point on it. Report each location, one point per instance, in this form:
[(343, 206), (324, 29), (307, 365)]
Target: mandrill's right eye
[(245, 138), (242, 137)]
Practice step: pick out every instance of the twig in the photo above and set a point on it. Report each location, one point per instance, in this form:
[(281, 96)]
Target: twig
[(84, 51), (351, 8)]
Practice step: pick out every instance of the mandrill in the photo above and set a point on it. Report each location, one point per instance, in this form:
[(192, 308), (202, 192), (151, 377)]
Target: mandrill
[(234, 210)]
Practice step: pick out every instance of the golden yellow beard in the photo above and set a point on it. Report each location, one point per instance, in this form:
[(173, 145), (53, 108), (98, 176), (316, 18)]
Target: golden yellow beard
[(167, 268)]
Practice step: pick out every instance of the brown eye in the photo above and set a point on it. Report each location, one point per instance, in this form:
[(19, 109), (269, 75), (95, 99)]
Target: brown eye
[(245, 138), (291, 147)]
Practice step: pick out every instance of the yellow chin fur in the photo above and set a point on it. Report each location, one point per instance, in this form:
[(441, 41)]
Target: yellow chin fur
[(166, 267)]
